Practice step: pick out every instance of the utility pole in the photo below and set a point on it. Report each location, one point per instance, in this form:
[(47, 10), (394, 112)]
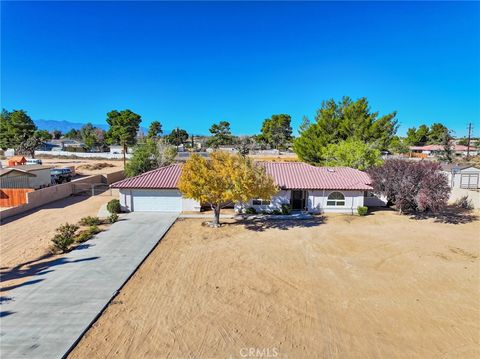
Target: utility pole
[(469, 139)]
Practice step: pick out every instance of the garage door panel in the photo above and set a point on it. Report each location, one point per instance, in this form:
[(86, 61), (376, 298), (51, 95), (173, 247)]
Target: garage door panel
[(157, 201)]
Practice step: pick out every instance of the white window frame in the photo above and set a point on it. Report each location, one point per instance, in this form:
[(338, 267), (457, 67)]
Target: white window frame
[(336, 202), (262, 202)]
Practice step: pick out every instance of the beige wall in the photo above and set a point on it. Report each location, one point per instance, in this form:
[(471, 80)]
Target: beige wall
[(49, 194), (114, 177)]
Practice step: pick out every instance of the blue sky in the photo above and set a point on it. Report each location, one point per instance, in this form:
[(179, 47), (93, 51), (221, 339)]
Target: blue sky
[(193, 64)]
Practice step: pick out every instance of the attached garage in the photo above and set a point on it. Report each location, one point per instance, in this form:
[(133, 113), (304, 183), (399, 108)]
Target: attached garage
[(156, 200), (154, 191)]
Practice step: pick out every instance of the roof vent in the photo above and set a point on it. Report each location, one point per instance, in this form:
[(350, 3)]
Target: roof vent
[(330, 169)]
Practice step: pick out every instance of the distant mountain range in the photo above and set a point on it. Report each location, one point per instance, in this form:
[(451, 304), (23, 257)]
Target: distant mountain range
[(63, 126), (66, 126)]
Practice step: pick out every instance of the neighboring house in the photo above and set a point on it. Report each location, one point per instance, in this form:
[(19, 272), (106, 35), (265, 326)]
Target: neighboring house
[(462, 176), (302, 186), (62, 144), (29, 176), (117, 149), (437, 150), (223, 148)]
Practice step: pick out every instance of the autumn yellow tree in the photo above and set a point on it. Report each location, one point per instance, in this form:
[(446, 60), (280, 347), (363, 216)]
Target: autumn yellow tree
[(224, 179)]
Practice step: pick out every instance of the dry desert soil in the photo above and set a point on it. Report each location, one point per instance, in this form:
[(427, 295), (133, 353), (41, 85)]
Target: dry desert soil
[(25, 240), (381, 286)]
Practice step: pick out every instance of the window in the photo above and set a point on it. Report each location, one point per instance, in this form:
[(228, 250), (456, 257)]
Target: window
[(260, 202), (336, 199)]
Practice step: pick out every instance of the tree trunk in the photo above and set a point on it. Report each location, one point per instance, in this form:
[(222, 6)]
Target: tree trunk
[(216, 216), (125, 148)]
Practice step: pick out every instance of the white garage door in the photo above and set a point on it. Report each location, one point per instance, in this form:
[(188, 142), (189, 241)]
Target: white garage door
[(157, 200)]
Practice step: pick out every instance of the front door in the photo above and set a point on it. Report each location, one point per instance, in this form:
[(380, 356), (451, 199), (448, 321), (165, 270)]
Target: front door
[(297, 200)]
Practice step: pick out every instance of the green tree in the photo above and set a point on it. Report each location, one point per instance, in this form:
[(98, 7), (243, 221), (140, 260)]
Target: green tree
[(397, 145), (277, 131), (436, 133), (148, 155), (352, 153), (447, 144), (123, 129), (87, 133), (73, 134), (417, 137), (340, 121), (221, 135), (155, 129), (177, 137), (15, 128), (43, 135), (57, 134)]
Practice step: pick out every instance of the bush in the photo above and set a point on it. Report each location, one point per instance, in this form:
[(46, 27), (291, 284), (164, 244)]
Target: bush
[(276, 212), (113, 218), (114, 206), (286, 209), (411, 186), (84, 236), (464, 202), (362, 210), (65, 237), (90, 221), (250, 210), (94, 230)]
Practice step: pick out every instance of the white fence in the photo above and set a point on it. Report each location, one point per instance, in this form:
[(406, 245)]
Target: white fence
[(106, 155)]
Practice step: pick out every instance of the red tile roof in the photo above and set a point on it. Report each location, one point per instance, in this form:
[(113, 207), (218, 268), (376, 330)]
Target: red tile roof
[(287, 175), (163, 177), (299, 175)]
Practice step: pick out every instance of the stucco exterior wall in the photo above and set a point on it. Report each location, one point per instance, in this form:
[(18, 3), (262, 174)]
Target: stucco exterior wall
[(316, 202)]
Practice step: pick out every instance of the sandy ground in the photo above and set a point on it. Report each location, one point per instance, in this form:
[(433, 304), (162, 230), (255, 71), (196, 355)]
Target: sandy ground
[(79, 165), (25, 241), (381, 286)]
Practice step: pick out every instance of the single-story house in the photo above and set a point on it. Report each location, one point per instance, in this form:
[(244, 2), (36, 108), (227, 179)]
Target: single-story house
[(462, 176), (302, 186), (27, 176), (436, 150)]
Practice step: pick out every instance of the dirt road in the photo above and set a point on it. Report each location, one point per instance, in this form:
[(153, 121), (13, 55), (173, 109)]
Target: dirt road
[(381, 286)]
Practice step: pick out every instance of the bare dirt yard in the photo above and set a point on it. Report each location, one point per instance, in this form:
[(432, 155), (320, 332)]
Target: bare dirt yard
[(25, 240), (381, 286), (85, 166)]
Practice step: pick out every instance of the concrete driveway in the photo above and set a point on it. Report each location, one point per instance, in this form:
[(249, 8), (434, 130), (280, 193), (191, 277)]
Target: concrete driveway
[(45, 317)]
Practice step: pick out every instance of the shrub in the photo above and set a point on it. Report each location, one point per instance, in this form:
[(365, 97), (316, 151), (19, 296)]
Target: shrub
[(362, 210), (84, 236), (65, 237), (286, 209), (113, 218), (464, 202), (411, 186), (90, 221), (276, 212), (114, 206), (250, 210), (94, 230)]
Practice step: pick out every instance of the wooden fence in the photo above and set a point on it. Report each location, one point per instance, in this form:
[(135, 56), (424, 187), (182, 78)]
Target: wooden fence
[(12, 197)]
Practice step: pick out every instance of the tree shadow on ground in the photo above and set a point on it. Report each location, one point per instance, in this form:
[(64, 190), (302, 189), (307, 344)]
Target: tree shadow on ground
[(261, 224), (450, 215), (35, 267)]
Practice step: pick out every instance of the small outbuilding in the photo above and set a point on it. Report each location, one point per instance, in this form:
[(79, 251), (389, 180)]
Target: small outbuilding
[(462, 176), (17, 161)]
